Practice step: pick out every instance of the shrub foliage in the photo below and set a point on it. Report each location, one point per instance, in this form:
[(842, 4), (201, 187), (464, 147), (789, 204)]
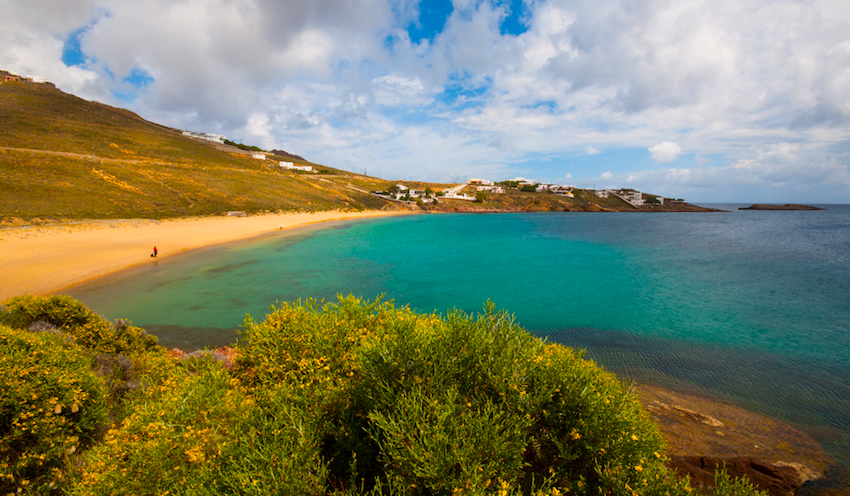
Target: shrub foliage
[(353, 397), (66, 315), (362, 397), (51, 404)]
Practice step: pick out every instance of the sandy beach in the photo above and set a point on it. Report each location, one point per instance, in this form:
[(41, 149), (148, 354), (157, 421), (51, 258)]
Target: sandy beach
[(42, 260)]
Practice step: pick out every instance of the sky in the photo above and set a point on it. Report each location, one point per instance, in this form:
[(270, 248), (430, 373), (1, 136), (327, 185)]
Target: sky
[(711, 101)]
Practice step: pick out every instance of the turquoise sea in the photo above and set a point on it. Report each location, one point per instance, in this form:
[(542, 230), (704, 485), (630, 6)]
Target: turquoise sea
[(750, 306)]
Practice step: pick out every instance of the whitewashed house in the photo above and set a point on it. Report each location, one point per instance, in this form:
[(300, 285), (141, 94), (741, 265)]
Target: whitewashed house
[(215, 138), (562, 191), (292, 166), (633, 197), (258, 156)]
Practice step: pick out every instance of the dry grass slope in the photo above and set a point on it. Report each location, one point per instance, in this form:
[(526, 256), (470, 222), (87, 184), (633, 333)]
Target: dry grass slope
[(62, 157)]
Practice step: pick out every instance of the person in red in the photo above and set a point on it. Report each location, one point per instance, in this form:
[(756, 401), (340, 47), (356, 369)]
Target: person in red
[(154, 252)]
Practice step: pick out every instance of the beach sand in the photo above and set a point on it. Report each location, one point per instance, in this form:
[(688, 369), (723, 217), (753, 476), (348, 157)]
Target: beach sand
[(43, 260)]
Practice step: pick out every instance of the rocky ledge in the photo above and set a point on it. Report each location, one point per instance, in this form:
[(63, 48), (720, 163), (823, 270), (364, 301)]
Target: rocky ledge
[(787, 206), (702, 433)]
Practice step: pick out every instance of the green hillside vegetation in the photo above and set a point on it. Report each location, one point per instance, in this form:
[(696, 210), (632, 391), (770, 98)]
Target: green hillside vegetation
[(348, 398), (62, 157)]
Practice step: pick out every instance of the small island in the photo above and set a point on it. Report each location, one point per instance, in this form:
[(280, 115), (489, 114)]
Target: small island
[(787, 206)]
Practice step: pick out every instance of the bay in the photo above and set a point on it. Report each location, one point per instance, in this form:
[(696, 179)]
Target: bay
[(751, 306)]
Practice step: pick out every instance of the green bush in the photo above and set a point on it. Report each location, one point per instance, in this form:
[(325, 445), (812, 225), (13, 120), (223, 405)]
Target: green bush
[(724, 485), (64, 314), (195, 430), (362, 397), (51, 404), (418, 404)]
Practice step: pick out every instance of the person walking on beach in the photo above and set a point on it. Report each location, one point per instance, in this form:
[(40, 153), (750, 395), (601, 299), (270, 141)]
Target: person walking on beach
[(154, 252)]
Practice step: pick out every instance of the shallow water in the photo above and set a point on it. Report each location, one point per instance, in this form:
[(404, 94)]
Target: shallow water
[(751, 306)]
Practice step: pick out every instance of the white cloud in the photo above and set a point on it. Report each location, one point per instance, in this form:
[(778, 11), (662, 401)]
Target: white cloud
[(665, 152), (761, 87)]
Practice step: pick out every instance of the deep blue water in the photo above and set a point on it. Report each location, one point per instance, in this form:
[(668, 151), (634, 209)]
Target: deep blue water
[(751, 306)]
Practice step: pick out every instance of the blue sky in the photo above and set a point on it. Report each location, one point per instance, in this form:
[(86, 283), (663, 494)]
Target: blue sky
[(732, 100)]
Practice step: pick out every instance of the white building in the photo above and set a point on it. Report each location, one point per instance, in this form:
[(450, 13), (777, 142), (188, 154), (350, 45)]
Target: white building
[(479, 181), (456, 196), (258, 156), (634, 197), (216, 138), (491, 189), (292, 166), (562, 190)]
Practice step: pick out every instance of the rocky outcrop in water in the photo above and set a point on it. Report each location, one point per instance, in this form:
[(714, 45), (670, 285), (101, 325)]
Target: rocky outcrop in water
[(787, 206)]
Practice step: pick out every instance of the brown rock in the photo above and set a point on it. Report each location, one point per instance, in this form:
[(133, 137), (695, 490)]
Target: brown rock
[(787, 206), (702, 432), (176, 354), (225, 355), (778, 480)]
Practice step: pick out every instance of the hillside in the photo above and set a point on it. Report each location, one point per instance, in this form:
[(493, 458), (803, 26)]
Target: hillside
[(62, 157)]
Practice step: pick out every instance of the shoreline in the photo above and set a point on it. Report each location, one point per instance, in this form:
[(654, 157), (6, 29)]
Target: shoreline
[(46, 259), (40, 260)]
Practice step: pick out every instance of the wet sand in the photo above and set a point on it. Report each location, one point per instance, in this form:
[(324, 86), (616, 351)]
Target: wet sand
[(42, 260)]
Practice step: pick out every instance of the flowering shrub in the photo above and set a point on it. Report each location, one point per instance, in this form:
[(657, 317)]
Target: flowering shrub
[(67, 315), (195, 429), (362, 397), (51, 403), (418, 404)]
